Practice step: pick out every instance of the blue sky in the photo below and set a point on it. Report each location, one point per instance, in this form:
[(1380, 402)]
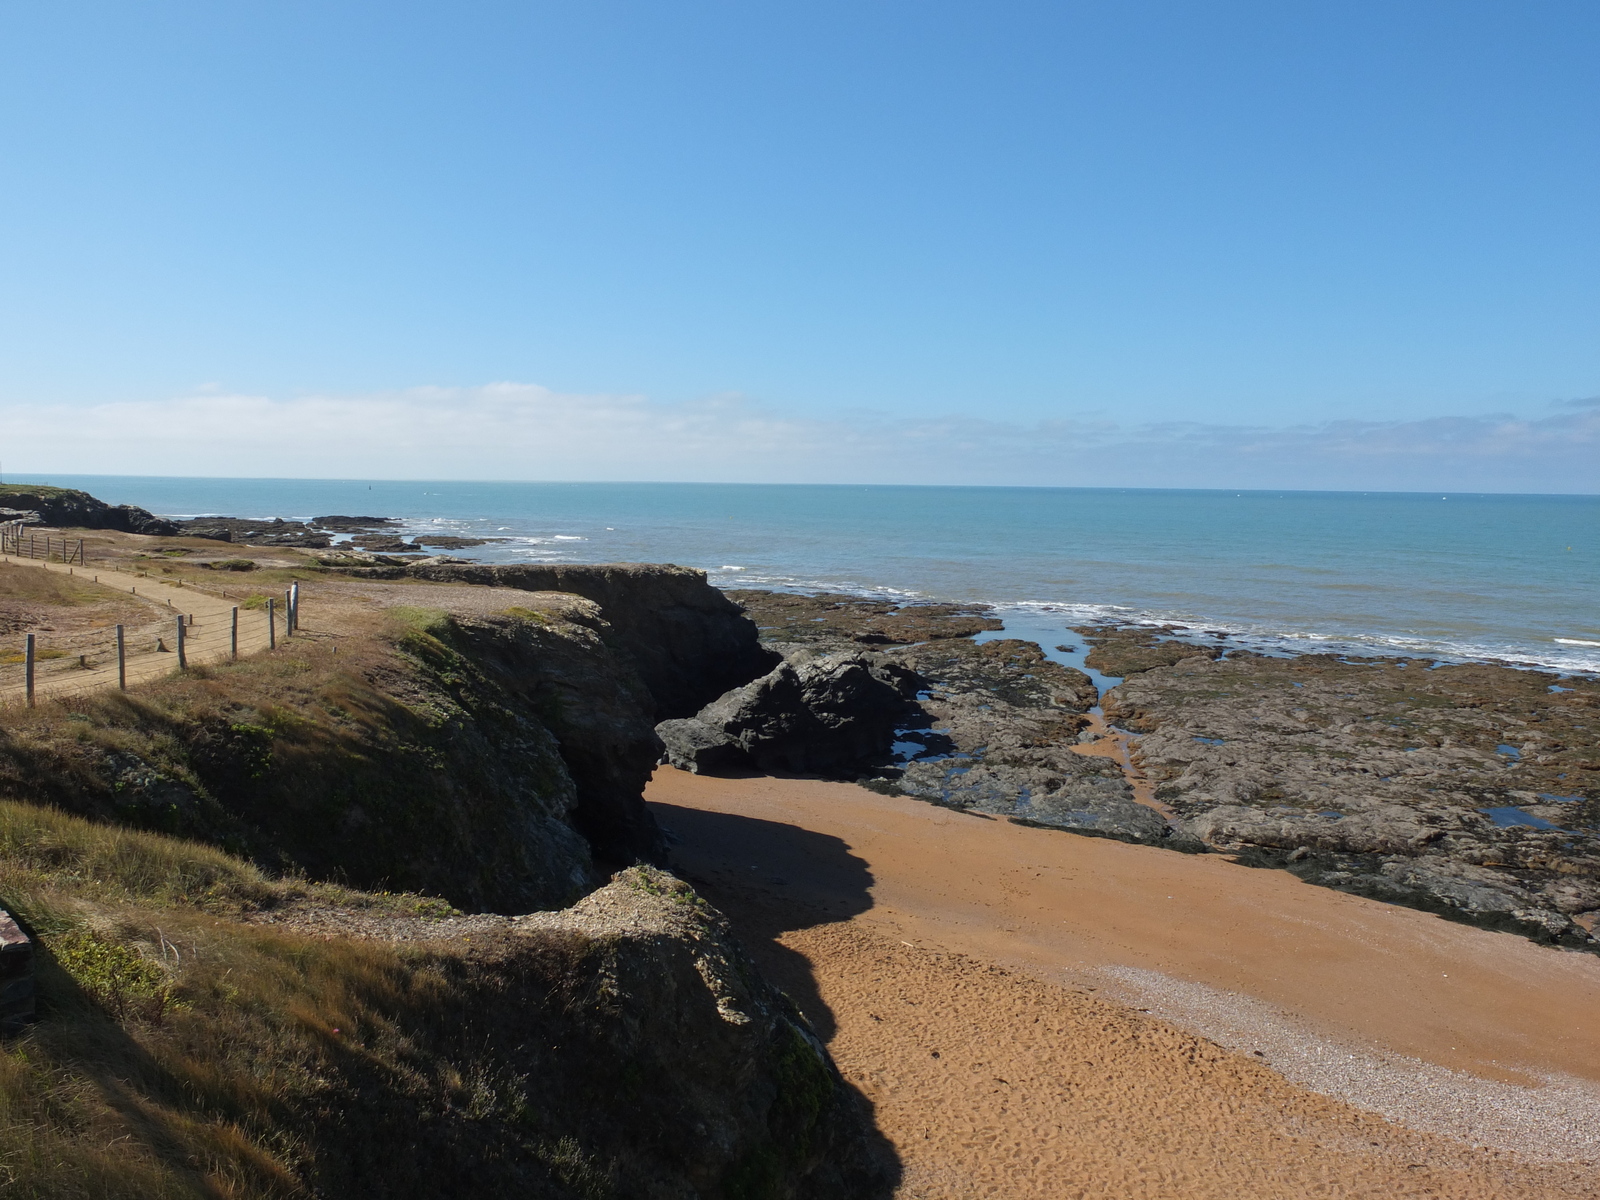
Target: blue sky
[(1334, 245)]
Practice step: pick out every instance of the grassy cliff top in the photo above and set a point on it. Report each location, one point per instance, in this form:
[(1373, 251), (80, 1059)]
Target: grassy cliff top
[(40, 489)]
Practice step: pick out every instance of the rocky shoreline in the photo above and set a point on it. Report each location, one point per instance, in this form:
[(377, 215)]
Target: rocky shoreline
[(1471, 790)]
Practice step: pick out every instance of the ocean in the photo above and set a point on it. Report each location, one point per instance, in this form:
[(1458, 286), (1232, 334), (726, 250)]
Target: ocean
[(1451, 576)]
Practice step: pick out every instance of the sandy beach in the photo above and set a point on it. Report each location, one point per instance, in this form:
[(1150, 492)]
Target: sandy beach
[(1034, 1013)]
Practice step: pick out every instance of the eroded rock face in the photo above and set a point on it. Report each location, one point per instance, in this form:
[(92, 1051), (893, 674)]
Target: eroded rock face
[(688, 641), (1473, 790), (488, 760), (563, 667)]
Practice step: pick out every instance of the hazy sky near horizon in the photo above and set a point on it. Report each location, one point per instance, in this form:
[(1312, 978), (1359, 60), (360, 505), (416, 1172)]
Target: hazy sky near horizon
[(1207, 244)]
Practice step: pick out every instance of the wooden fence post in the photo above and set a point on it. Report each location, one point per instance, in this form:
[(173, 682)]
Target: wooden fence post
[(272, 626), (27, 658), (183, 661), (233, 634), (122, 660)]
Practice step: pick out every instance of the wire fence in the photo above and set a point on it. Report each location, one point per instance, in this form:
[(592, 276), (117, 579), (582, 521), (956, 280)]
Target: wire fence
[(199, 630), (17, 538)]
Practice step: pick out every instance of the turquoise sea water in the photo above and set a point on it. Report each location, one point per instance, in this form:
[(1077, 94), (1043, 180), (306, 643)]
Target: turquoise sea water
[(1458, 575)]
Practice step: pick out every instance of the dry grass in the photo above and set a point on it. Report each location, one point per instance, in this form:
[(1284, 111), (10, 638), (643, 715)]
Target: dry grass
[(29, 585), (180, 1054), (371, 756)]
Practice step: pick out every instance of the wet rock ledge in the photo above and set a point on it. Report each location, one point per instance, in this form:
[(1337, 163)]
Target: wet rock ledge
[(1468, 789)]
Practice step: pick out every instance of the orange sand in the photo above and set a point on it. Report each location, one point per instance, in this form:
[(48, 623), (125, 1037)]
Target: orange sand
[(903, 928)]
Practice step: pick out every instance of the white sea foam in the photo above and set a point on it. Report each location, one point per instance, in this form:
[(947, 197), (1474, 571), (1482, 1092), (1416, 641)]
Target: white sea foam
[(1269, 640)]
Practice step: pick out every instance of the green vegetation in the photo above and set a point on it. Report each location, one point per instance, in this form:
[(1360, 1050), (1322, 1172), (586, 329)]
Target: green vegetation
[(116, 976), (39, 654), (43, 490)]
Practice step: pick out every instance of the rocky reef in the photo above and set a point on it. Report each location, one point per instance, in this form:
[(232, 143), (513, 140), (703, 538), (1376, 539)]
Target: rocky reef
[(790, 620), (1472, 790), (1002, 731)]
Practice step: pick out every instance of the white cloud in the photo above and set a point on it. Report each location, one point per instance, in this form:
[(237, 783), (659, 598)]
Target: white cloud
[(522, 431)]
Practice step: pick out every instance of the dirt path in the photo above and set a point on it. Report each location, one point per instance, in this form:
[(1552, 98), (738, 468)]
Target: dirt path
[(207, 637), (1023, 955)]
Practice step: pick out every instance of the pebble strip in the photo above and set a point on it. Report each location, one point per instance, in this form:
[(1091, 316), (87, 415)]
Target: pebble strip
[(1556, 1122)]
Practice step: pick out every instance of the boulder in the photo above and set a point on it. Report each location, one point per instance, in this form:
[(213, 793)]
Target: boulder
[(814, 714)]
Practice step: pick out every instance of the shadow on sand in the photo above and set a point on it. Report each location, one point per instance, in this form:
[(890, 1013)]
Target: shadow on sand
[(769, 879)]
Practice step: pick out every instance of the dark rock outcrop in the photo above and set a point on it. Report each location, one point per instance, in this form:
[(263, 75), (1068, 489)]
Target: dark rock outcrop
[(69, 508), (248, 531), (990, 727), (809, 714), (563, 666), (342, 524), (688, 642)]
